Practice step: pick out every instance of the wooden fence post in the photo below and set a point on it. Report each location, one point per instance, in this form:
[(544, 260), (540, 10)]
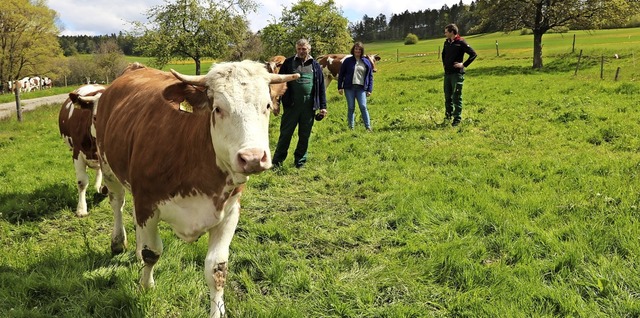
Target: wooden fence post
[(397, 55), (17, 86), (602, 68), (497, 51), (578, 65), (573, 47), (617, 73)]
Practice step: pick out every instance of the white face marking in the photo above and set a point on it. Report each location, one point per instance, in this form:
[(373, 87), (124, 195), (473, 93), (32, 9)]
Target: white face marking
[(241, 120)]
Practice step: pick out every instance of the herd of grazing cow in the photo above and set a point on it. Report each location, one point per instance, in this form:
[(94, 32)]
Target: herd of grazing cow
[(28, 84), (184, 146)]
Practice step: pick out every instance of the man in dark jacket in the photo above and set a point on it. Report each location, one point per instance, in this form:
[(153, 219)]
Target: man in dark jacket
[(302, 99), (452, 56)]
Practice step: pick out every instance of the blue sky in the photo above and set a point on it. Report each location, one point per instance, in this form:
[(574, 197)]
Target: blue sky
[(98, 17)]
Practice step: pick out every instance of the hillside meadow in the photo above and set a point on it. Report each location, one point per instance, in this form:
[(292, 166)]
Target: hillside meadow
[(528, 209)]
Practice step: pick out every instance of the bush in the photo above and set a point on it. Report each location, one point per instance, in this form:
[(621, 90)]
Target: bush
[(525, 31), (559, 29), (410, 39)]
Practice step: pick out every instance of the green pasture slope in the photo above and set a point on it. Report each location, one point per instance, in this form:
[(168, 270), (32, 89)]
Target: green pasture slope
[(529, 209)]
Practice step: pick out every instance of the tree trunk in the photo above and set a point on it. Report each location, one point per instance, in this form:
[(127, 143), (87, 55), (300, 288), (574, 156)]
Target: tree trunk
[(537, 49), (197, 66)]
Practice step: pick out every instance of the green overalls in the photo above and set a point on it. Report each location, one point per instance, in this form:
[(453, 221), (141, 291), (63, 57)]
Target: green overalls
[(299, 114)]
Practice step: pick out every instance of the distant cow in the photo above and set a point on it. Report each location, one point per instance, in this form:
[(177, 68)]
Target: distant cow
[(46, 82), (185, 147), (276, 90), (35, 83), (75, 127), (331, 64), (25, 85)]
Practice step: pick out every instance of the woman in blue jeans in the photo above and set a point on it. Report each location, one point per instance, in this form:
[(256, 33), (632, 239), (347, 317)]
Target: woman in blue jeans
[(356, 81)]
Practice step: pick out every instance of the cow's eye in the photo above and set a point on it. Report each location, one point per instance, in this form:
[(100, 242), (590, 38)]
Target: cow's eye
[(217, 110), (269, 106)]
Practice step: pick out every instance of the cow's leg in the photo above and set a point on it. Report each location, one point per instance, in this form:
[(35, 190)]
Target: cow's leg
[(82, 179), (327, 77), (215, 265), (116, 200), (95, 165), (98, 184), (148, 248)]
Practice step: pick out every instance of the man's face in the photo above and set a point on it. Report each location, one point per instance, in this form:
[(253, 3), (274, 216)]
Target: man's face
[(448, 35), (302, 51)]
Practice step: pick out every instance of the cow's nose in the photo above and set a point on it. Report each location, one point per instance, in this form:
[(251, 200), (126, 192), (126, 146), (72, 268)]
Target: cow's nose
[(253, 160)]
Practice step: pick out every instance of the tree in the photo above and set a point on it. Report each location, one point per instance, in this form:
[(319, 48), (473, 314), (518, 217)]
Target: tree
[(28, 40), (542, 15), (322, 24), (193, 29), (109, 60)]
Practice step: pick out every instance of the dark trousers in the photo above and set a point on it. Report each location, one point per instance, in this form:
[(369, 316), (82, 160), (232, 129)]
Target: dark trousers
[(301, 116), (453, 95)]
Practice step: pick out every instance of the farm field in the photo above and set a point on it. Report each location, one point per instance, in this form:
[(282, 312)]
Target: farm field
[(530, 208)]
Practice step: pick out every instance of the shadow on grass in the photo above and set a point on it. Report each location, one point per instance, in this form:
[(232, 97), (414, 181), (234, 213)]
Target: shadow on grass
[(89, 285), (20, 207)]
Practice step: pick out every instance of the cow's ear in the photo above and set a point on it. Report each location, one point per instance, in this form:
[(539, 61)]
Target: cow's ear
[(195, 96), (73, 96)]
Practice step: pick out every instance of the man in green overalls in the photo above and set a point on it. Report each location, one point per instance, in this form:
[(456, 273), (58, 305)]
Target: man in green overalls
[(302, 99)]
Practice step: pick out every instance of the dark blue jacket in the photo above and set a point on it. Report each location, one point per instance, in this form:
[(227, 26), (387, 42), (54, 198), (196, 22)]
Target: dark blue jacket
[(345, 77), (318, 90)]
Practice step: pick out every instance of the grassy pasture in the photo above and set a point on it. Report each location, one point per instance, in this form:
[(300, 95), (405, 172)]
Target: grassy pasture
[(528, 209)]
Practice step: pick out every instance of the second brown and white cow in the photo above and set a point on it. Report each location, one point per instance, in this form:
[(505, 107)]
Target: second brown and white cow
[(331, 64), (276, 90), (74, 122), (185, 147)]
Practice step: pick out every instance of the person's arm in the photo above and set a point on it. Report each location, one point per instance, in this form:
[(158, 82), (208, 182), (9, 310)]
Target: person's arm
[(369, 87), (472, 54), (321, 89), (343, 69)]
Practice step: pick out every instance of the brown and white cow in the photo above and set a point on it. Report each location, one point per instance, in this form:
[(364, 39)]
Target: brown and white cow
[(276, 90), (331, 64), (75, 127), (185, 147)]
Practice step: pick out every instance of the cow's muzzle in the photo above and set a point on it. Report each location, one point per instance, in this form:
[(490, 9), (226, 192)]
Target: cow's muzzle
[(253, 160)]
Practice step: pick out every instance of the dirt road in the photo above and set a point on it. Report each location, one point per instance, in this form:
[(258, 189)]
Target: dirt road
[(8, 110)]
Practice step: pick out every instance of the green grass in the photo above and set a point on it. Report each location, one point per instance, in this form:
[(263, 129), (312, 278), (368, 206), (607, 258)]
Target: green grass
[(528, 209)]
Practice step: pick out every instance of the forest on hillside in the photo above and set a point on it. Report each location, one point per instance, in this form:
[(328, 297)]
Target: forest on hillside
[(425, 24)]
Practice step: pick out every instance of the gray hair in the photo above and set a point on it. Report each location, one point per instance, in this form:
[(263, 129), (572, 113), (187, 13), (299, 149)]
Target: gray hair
[(303, 42)]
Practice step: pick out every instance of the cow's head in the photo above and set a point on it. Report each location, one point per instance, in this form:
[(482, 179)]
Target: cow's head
[(373, 58), (240, 106), (86, 97)]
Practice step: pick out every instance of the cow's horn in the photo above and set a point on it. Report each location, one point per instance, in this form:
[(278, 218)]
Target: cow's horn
[(277, 78), (89, 99), (198, 80)]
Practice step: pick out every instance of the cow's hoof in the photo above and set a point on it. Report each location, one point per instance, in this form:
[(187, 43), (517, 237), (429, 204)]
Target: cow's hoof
[(117, 248)]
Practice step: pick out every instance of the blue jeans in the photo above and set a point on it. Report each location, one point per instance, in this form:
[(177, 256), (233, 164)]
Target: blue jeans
[(358, 93)]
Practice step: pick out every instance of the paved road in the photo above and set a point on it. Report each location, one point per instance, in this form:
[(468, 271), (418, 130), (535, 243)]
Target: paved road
[(8, 110)]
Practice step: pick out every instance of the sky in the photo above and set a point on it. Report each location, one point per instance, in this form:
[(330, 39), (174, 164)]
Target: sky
[(100, 17)]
